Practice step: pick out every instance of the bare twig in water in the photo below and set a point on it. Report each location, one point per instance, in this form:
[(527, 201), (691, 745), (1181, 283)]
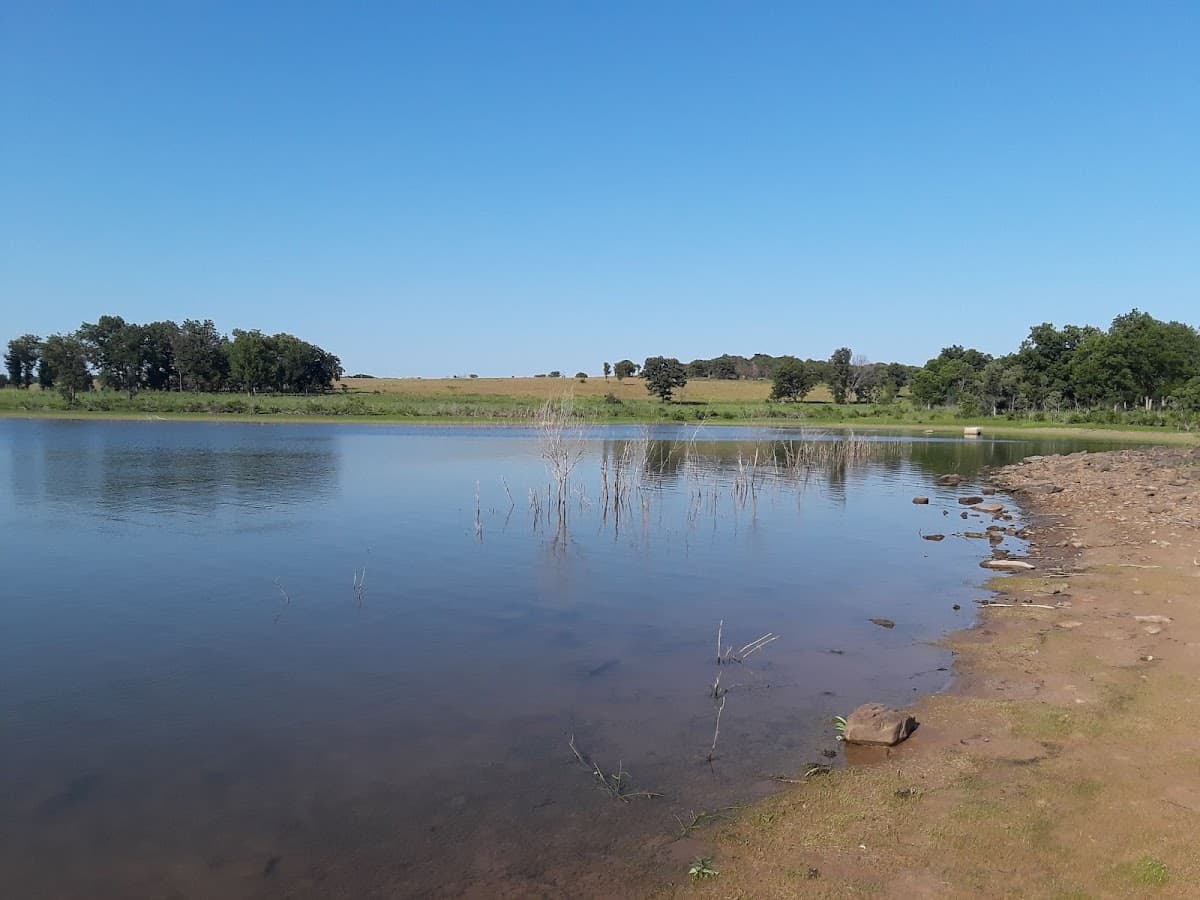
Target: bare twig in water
[(615, 783), (716, 731), (287, 599), (360, 586)]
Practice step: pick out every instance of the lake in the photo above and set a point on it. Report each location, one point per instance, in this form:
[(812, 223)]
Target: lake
[(266, 660)]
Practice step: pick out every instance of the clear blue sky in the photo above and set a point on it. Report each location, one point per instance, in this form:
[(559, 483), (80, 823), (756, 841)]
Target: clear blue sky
[(512, 187)]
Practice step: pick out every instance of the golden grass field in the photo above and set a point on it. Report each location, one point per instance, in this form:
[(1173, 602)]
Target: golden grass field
[(700, 389)]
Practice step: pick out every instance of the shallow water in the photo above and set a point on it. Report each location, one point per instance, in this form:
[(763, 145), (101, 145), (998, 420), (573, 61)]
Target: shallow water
[(196, 700)]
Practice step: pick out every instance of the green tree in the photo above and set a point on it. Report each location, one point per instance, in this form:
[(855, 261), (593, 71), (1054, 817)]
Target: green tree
[(159, 372), (201, 356), (65, 365), (663, 375), (607, 370), (252, 363), (626, 368), (22, 358), (792, 380), (839, 374), (118, 350)]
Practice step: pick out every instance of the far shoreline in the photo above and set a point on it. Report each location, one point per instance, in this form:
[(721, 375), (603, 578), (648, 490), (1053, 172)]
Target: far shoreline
[(1131, 433)]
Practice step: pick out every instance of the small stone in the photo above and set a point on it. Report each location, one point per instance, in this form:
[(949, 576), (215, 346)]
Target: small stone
[(933, 537), (1153, 629), (970, 501), (1006, 565), (874, 723), (991, 508), (956, 607), (1070, 624), (921, 501), (1153, 620), (883, 623), (988, 491)]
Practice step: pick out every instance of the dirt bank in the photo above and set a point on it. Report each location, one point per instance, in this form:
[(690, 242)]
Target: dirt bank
[(1066, 760)]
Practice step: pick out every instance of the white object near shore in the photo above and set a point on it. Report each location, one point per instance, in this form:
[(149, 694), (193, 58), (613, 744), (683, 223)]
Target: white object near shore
[(1006, 565), (972, 431)]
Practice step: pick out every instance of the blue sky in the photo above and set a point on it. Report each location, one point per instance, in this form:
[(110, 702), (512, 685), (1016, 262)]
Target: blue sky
[(508, 188)]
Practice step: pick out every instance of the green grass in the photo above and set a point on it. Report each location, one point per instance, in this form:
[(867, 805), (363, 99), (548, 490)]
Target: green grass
[(410, 406)]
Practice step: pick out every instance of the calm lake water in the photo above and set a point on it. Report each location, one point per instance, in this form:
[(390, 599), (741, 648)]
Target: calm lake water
[(280, 660)]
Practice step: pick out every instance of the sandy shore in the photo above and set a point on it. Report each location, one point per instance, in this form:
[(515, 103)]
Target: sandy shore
[(1065, 761)]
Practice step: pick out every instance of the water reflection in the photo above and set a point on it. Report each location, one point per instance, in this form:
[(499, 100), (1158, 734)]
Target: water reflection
[(120, 470), (167, 732)]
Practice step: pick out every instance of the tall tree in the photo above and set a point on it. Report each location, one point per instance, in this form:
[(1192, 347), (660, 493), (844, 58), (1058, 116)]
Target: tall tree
[(22, 358), (839, 374), (201, 358), (118, 350), (663, 375), (626, 368), (65, 365), (607, 370), (792, 380)]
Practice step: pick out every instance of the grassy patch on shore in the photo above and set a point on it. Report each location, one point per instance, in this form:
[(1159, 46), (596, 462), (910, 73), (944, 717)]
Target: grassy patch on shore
[(517, 400)]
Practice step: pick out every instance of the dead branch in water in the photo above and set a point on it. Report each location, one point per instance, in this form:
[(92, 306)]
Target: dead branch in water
[(716, 731), (360, 586), (614, 784)]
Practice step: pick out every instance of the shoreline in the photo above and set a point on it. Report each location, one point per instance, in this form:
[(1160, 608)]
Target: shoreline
[(1029, 776), (1130, 433)]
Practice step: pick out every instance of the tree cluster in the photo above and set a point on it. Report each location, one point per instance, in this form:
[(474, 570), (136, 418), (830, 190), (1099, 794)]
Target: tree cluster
[(164, 356), (1138, 361)]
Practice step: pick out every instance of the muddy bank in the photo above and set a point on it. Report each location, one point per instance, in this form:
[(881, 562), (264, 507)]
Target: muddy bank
[(1065, 762)]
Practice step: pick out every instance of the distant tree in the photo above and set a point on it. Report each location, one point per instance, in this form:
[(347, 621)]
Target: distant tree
[(251, 361), (607, 370), (65, 365), (158, 356), (201, 356), (582, 376), (626, 368), (864, 379), (3, 380), (1186, 399), (724, 367), (118, 350), (556, 374), (663, 375), (22, 358), (839, 374), (792, 380)]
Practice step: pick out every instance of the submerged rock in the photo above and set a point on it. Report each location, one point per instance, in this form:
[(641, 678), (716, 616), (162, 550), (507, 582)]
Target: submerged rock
[(970, 501), (951, 480), (883, 623), (933, 537), (921, 501), (874, 723)]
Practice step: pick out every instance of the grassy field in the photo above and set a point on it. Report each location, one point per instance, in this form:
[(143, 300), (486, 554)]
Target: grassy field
[(703, 390), (517, 400)]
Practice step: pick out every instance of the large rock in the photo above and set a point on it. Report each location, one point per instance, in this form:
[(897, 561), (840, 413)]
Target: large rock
[(991, 508), (970, 501), (1006, 565), (874, 723), (951, 480)]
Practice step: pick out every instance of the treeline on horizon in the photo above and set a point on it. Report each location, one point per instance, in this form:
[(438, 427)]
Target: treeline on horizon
[(1138, 362), (165, 356)]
